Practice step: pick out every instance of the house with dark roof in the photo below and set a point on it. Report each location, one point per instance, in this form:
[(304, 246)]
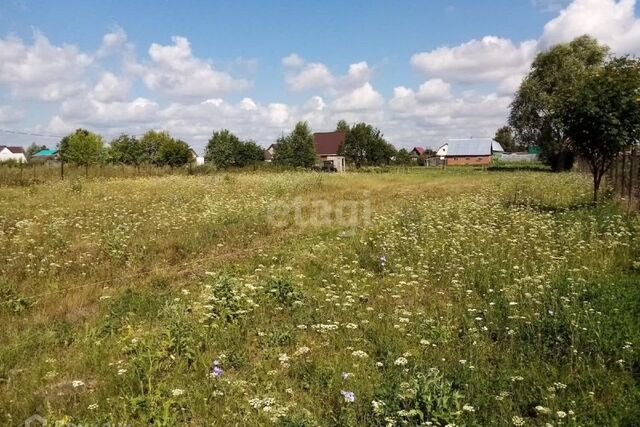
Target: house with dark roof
[(327, 145), (472, 151), (269, 152), (417, 152), (14, 153)]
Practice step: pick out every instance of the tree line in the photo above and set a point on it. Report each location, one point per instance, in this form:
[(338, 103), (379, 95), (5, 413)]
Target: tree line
[(577, 100)]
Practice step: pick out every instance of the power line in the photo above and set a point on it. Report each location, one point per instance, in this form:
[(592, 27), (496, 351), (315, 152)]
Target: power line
[(41, 135)]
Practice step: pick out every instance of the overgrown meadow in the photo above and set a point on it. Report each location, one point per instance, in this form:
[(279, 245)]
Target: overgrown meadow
[(454, 297)]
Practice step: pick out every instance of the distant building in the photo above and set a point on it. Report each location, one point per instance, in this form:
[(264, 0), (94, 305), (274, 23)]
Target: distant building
[(327, 145), (417, 152), (8, 153), (269, 152), (473, 151)]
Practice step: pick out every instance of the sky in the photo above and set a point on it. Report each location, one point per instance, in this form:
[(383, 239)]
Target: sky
[(420, 71)]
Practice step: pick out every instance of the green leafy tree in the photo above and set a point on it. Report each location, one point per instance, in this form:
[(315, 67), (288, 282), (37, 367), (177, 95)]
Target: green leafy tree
[(296, 149), (365, 145), (33, 149), (342, 126), (128, 150), (507, 140), (82, 148), (249, 153), (403, 157), (151, 142), (537, 107), (173, 153), (602, 117), (222, 149)]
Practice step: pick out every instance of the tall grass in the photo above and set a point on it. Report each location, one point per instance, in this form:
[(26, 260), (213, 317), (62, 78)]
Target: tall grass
[(468, 299)]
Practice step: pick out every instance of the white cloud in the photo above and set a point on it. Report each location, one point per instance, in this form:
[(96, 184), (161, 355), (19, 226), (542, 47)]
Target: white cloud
[(364, 98), (111, 88), (610, 21), (489, 59), (175, 71), (292, 61), (312, 76), (303, 76), (41, 70), (9, 114)]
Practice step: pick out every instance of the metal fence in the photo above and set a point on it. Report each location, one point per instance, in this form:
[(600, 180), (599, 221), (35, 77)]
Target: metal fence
[(624, 178)]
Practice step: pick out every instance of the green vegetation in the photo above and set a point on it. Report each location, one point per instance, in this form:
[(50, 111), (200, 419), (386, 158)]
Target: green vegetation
[(456, 297)]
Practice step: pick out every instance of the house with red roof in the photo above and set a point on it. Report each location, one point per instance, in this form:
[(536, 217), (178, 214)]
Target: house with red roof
[(327, 145), (14, 153)]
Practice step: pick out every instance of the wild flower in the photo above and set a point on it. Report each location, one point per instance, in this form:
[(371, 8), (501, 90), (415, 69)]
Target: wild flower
[(348, 396), (468, 408), (401, 361), (360, 354), (77, 383), (92, 407), (517, 421), (177, 392), (302, 351)]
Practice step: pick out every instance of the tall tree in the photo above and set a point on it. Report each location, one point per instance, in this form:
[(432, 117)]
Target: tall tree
[(222, 149), (537, 107), (602, 117), (150, 143), (249, 153), (365, 145), (505, 137), (403, 157), (296, 149), (128, 150), (342, 126), (33, 149), (173, 153), (82, 147)]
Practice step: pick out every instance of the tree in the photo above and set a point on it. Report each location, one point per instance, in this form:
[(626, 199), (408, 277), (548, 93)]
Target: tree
[(365, 145), (249, 153), (602, 117), (128, 150), (173, 153), (505, 137), (342, 126), (296, 149), (403, 157), (33, 149), (222, 149), (537, 107), (82, 148), (150, 143)]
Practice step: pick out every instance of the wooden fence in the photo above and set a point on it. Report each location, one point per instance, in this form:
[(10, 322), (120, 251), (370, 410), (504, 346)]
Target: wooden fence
[(624, 178)]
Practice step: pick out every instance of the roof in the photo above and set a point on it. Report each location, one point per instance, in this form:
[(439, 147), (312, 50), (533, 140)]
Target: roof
[(46, 152), (328, 143), (472, 147), (419, 150), (13, 149)]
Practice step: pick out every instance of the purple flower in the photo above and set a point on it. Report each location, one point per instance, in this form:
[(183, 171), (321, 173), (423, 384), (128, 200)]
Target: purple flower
[(349, 396), (217, 371)]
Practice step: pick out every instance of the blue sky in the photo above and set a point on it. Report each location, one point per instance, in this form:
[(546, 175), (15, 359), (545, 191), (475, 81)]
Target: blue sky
[(419, 70)]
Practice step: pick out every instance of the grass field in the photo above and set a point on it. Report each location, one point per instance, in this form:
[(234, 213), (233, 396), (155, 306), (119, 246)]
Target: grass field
[(432, 297)]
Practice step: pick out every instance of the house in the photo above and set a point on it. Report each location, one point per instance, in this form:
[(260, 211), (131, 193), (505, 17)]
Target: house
[(195, 159), (269, 152), (327, 145), (12, 153), (472, 151), (416, 152), (45, 156)]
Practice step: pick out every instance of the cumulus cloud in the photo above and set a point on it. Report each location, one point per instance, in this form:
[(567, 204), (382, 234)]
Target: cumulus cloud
[(364, 98), (610, 21), (488, 59), (41, 70), (174, 70)]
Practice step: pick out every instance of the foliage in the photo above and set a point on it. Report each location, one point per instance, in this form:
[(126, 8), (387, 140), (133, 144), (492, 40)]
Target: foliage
[(33, 149), (536, 111), (128, 150), (602, 117), (225, 149), (296, 149), (505, 137), (365, 145), (403, 157), (342, 126), (173, 153), (82, 148), (151, 142)]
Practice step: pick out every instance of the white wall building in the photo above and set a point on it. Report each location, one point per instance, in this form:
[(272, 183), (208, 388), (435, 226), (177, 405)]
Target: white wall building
[(12, 153)]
